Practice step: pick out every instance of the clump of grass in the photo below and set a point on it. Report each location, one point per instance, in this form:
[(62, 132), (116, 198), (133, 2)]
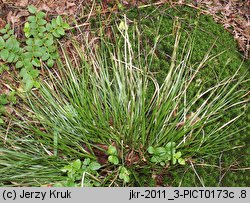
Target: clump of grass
[(104, 98)]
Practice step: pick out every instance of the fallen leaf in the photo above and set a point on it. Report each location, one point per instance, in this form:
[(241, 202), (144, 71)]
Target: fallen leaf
[(22, 3), (44, 7), (2, 23)]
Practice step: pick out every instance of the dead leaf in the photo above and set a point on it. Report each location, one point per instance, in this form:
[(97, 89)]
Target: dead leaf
[(22, 3), (44, 7), (2, 23)]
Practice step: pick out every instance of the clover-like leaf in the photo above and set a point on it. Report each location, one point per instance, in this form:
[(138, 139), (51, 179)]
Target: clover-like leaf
[(151, 150), (113, 159), (112, 150), (94, 166), (181, 161), (177, 155), (77, 164), (86, 161)]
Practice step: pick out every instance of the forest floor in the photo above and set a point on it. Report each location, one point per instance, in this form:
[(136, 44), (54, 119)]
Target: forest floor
[(233, 14)]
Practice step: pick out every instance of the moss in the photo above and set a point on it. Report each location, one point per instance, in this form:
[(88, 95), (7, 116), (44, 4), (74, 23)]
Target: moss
[(159, 22)]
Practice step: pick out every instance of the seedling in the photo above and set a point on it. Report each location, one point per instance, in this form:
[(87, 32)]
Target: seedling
[(113, 155), (163, 155), (84, 172)]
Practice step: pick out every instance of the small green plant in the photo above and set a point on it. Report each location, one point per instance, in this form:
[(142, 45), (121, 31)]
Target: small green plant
[(81, 174), (163, 155), (4, 100), (113, 155), (10, 50), (124, 174), (39, 47)]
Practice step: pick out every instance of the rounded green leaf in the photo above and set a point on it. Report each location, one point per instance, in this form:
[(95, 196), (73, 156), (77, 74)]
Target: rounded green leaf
[(38, 42), (112, 150), (3, 31), (53, 23), (155, 159), (40, 14), (32, 9), (45, 57), (36, 84), (4, 54), (9, 43), (2, 43), (6, 36), (151, 150), (56, 34), (16, 58), (181, 161), (59, 20), (36, 62), (1, 121), (60, 31), (65, 25), (94, 166), (177, 155), (41, 29), (113, 159), (19, 64), (86, 161), (160, 150), (32, 19), (37, 53), (41, 22), (11, 57), (77, 164), (50, 63), (34, 73), (28, 84), (49, 42), (49, 27), (174, 160)]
